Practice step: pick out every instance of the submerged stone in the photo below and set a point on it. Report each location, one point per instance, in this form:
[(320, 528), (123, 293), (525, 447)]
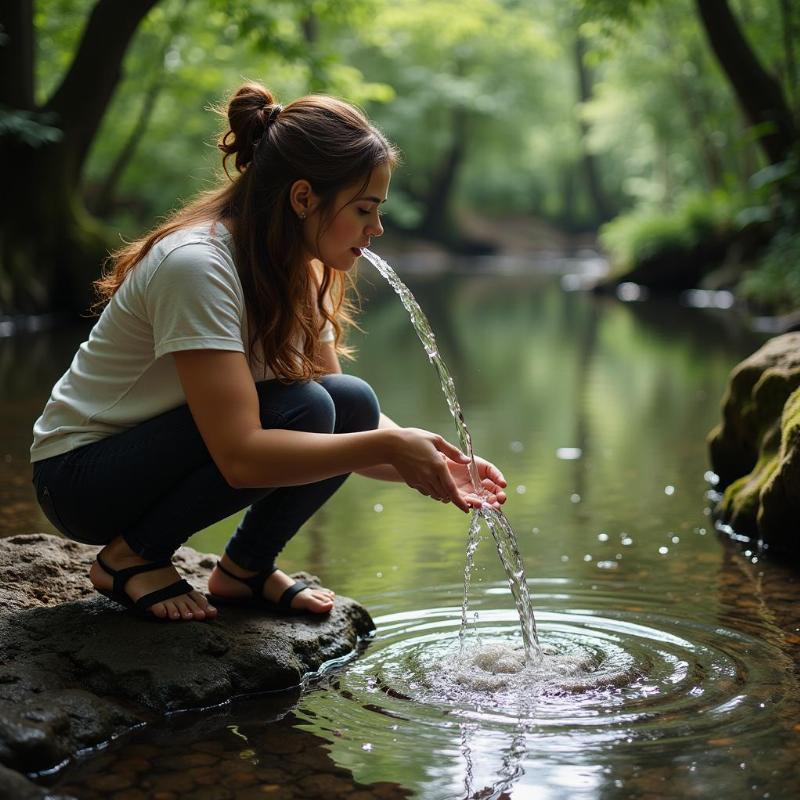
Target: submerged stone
[(756, 450), (77, 670)]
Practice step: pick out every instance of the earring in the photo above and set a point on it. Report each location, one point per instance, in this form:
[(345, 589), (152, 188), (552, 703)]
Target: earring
[(302, 215)]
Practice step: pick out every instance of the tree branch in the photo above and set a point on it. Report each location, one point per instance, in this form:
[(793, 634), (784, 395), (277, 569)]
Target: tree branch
[(758, 93), (83, 95)]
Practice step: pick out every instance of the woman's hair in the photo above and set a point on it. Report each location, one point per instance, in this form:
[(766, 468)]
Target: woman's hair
[(320, 139)]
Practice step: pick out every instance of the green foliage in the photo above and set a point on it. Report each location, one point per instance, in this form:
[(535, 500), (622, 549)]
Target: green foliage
[(775, 282), (638, 235), (661, 120), (31, 127)]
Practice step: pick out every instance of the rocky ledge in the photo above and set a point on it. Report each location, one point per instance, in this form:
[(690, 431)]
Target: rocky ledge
[(77, 670), (756, 450)]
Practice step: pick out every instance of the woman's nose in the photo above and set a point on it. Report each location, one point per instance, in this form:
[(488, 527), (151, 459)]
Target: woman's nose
[(377, 228)]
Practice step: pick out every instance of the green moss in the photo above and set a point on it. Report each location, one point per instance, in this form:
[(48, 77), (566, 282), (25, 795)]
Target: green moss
[(740, 504), (763, 501)]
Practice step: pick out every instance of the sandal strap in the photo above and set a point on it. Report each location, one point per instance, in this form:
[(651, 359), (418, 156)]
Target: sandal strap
[(122, 576), (173, 590), (255, 582), (289, 595)]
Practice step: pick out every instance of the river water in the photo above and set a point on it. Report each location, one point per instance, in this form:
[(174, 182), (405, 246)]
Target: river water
[(596, 411)]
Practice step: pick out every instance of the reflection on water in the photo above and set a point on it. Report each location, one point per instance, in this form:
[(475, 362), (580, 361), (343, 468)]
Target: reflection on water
[(597, 413)]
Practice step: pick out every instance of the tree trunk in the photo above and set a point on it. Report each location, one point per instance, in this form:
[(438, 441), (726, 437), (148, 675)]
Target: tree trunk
[(102, 201), (50, 247), (758, 93), (602, 208), (16, 55), (436, 222)]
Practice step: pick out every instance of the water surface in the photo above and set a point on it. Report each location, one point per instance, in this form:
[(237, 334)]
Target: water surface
[(691, 645)]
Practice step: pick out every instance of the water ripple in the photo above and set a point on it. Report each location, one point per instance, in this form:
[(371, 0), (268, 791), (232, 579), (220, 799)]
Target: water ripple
[(616, 667)]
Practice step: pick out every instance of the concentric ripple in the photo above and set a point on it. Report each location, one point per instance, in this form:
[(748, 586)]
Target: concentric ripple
[(612, 668)]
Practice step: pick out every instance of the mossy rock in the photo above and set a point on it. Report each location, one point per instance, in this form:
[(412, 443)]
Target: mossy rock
[(779, 514), (756, 450)]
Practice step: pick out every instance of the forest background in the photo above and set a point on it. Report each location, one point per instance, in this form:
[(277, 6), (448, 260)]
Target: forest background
[(669, 126)]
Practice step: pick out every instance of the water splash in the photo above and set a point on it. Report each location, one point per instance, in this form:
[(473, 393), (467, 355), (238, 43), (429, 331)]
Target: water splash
[(499, 526)]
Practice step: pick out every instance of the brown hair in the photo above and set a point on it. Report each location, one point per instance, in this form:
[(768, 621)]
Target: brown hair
[(320, 139)]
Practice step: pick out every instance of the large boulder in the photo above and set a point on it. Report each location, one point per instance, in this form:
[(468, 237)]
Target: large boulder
[(77, 670), (756, 450)]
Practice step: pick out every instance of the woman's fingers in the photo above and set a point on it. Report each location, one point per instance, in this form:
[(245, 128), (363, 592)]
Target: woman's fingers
[(449, 490), (450, 450)]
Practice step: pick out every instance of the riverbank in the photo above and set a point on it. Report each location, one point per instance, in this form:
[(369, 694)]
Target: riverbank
[(79, 671)]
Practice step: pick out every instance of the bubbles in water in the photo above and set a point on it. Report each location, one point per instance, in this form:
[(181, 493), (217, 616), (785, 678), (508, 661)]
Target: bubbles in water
[(711, 477), (497, 672), (669, 490), (569, 453)]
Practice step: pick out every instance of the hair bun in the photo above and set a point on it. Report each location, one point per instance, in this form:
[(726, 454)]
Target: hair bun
[(250, 111)]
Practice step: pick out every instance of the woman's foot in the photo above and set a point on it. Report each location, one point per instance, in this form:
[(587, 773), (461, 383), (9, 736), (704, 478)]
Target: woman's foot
[(117, 555), (315, 599)]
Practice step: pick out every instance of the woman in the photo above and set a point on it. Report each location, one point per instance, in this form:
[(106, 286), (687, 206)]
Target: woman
[(211, 381)]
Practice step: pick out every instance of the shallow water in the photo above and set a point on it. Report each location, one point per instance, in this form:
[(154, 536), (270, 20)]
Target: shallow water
[(672, 666)]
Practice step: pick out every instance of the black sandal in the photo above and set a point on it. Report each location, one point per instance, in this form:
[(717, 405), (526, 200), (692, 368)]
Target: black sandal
[(257, 600), (141, 607)]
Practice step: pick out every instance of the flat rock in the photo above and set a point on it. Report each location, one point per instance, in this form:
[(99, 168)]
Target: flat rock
[(77, 670)]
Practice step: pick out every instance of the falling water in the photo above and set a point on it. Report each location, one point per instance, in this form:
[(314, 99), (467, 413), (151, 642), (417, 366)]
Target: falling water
[(495, 520)]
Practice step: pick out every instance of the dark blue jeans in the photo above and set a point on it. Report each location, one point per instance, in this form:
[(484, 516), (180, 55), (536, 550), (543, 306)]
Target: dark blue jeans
[(156, 484)]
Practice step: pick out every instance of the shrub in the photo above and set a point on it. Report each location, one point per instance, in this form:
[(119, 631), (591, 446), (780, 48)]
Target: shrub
[(641, 234), (775, 281)]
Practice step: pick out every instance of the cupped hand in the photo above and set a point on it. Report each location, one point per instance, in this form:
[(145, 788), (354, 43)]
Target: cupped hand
[(422, 459), (492, 482)]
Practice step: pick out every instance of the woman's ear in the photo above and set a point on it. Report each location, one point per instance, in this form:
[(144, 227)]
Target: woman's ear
[(302, 198)]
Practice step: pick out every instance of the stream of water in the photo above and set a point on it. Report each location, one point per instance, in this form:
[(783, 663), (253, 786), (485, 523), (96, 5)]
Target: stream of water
[(501, 530)]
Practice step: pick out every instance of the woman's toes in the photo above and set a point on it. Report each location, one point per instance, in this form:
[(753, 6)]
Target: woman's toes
[(201, 608), (184, 607), (159, 610), (197, 610), (322, 598)]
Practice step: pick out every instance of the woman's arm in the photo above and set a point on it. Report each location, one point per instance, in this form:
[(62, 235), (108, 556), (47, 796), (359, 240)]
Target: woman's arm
[(329, 362), (383, 472), (492, 481), (222, 397)]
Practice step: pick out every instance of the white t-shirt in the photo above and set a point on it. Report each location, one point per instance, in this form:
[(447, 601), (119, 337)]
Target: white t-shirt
[(184, 295)]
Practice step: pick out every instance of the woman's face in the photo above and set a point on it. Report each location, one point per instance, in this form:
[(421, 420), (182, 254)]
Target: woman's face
[(354, 220)]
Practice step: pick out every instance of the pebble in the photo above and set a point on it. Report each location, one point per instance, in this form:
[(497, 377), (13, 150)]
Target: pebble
[(172, 782), (141, 751), (135, 764), (212, 793), (324, 785), (108, 783), (130, 794), (238, 779)]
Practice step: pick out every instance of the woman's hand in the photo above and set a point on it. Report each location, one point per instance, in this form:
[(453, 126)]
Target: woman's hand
[(492, 481), (423, 461)]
